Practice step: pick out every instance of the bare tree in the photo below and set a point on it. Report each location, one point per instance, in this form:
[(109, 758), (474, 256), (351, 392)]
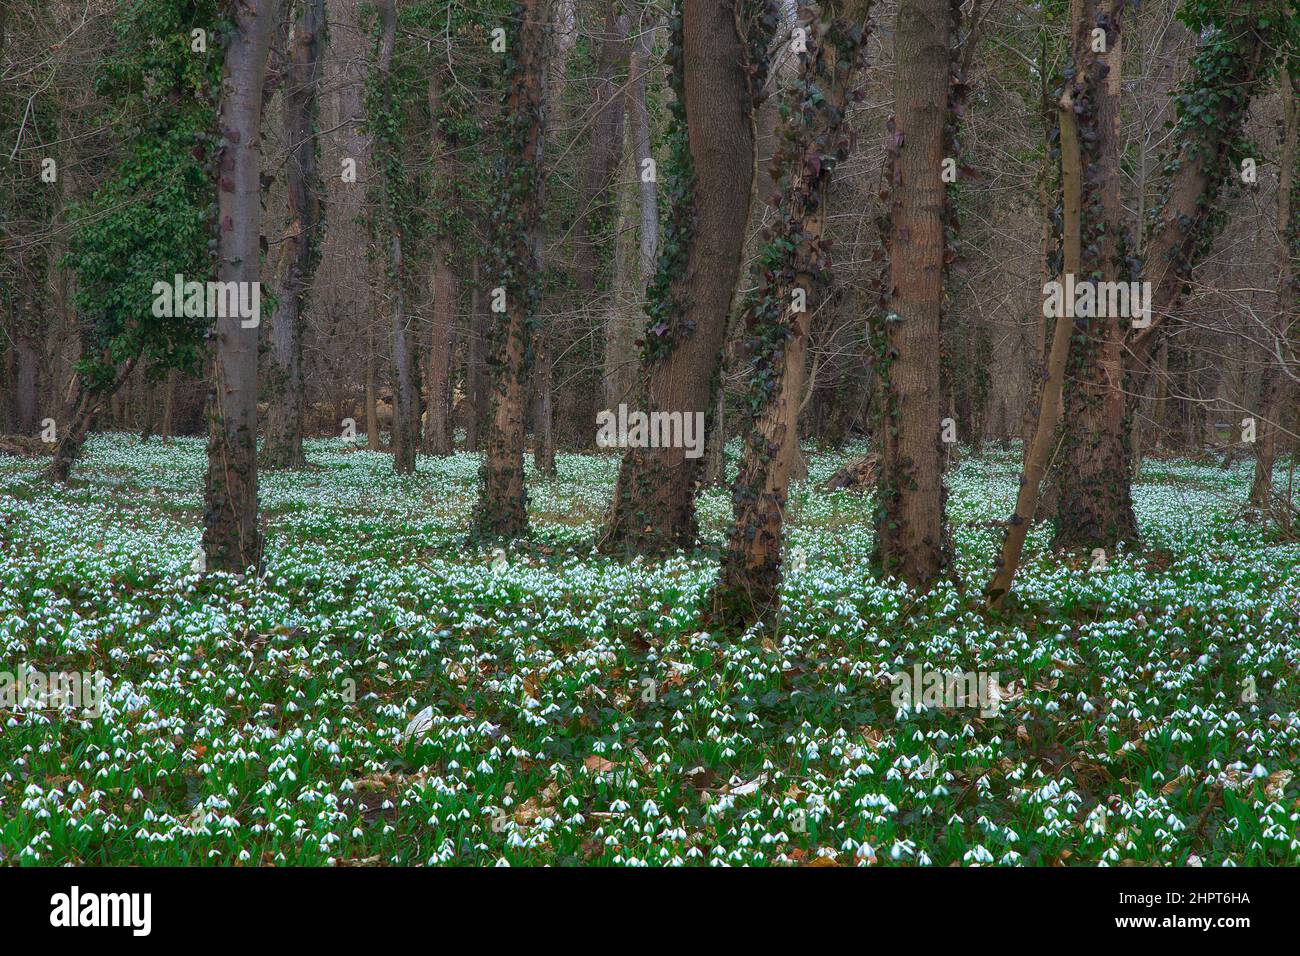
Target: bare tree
[(1273, 384), (1049, 395), (563, 38), (911, 532), (606, 122), (791, 273), (502, 510), (1228, 69), (299, 250), (383, 122), (1094, 506), (654, 500), (638, 229), (446, 287)]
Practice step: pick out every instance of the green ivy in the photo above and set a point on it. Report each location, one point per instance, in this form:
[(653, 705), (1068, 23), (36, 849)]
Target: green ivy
[(155, 217)]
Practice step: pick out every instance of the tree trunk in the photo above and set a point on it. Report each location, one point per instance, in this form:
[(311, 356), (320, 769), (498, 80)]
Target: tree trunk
[(1226, 74), (1271, 382), (1266, 412), (73, 435), (911, 532), (654, 500), (621, 326), (25, 387), (634, 264), (374, 440), (299, 252), (1094, 506), (639, 118), (115, 414), (476, 372), (543, 412), (1036, 351), (790, 278), (406, 425), (77, 419), (148, 415), (715, 444), (1049, 397), (606, 145), (231, 539), (502, 510), (446, 288), (169, 406), (564, 34), (437, 420)]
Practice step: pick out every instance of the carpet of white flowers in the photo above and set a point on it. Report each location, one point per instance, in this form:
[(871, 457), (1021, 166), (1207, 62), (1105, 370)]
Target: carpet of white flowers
[(386, 694)]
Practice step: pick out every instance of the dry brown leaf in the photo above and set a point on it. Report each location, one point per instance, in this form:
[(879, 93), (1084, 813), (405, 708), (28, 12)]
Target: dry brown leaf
[(598, 764), (1277, 782), (1172, 785), (531, 683)]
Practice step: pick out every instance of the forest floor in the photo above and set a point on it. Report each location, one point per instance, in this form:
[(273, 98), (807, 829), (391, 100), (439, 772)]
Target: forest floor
[(387, 695)]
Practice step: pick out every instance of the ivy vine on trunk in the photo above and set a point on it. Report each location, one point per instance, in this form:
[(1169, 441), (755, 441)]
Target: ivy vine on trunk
[(502, 508), (791, 279), (718, 58), (912, 540)]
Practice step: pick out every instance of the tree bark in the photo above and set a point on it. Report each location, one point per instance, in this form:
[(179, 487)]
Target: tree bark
[(638, 117), (231, 539), (437, 420), (446, 288), (544, 411), (715, 443), (28, 359), (545, 335), (169, 405), (621, 325), (637, 233)]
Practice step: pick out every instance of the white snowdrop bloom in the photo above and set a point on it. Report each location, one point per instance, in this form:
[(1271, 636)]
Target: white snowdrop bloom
[(977, 854)]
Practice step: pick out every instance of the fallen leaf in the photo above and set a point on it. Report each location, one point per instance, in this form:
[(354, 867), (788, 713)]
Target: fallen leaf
[(598, 764), (420, 725)]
